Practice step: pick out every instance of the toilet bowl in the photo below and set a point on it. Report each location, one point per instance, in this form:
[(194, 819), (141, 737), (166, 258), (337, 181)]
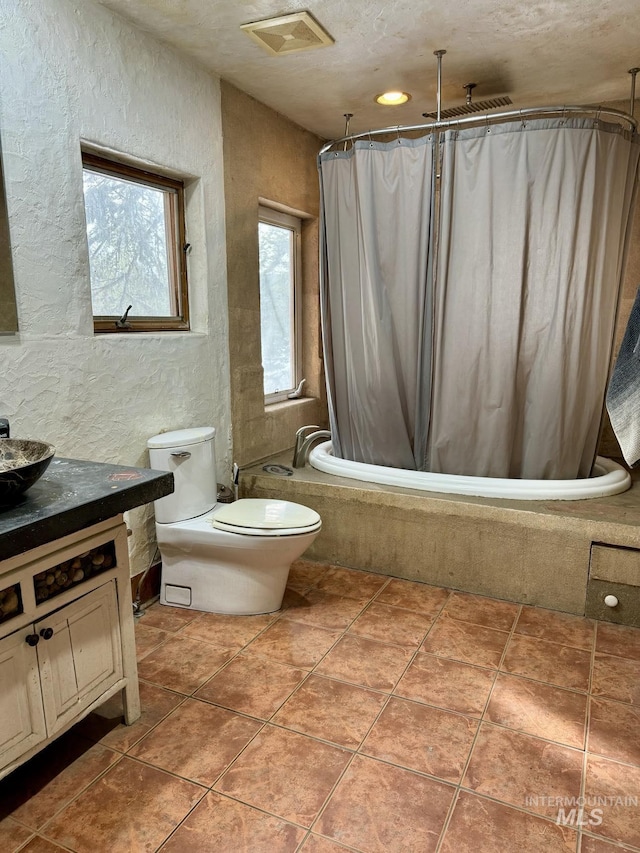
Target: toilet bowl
[(222, 558)]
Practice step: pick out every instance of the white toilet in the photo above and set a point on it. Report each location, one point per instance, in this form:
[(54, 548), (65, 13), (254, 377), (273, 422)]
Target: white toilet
[(222, 558)]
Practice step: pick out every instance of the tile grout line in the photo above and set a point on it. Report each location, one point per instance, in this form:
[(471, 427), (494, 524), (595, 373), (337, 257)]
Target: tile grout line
[(459, 788), (171, 773), (264, 657), (518, 676), (520, 809), (388, 699), (410, 661), (615, 845), (362, 612), (38, 835), (343, 631), (263, 723), (350, 761), (226, 648), (175, 829), (79, 793), (231, 659), (587, 726), (420, 643), (260, 809), (448, 818), (280, 617), (341, 776), (309, 673), (339, 844), (234, 656), (152, 728)]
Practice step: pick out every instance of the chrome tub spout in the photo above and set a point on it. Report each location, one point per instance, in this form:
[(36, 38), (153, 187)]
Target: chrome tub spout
[(301, 434)]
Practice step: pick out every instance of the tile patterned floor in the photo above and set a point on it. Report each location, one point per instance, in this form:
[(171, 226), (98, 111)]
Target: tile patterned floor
[(370, 714)]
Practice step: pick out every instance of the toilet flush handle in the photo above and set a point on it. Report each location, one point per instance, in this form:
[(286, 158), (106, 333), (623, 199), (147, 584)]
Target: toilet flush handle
[(181, 454)]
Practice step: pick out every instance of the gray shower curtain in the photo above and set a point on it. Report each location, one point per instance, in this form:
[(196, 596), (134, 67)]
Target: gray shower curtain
[(501, 369), (532, 229), (376, 299)]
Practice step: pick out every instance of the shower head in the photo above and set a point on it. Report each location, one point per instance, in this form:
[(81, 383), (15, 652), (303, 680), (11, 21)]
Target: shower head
[(471, 106)]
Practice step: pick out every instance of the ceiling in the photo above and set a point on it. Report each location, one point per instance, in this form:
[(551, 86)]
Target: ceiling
[(539, 52)]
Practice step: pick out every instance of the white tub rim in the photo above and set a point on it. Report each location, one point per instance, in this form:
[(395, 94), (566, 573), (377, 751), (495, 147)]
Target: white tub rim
[(609, 478)]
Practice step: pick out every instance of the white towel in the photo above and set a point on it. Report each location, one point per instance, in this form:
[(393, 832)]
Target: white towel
[(623, 393)]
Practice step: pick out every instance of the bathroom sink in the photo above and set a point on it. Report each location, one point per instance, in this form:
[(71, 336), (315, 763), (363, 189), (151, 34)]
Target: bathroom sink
[(22, 462)]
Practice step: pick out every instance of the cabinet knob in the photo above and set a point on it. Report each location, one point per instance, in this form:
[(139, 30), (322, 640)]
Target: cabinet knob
[(46, 633), (32, 639)]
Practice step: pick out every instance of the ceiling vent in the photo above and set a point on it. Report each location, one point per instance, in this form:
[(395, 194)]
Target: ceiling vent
[(288, 34), (475, 107)]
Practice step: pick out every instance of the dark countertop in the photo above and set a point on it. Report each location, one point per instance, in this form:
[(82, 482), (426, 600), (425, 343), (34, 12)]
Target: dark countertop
[(73, 494)]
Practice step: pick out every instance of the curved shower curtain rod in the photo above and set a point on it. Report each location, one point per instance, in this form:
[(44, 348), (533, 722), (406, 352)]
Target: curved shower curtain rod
[(489, 118)]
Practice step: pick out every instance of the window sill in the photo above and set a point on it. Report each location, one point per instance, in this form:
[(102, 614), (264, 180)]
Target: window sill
[(157, 335), (102, 327), (288, 404)]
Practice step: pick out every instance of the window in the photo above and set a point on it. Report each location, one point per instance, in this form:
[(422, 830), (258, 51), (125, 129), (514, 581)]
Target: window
[(279, 241), (136, 239)]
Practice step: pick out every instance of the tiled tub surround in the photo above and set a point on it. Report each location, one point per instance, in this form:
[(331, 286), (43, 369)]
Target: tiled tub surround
[(371, 714), (533, 552)]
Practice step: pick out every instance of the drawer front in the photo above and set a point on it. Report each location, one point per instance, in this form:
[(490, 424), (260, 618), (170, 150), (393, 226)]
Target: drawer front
[(625, 612), (618, 565)]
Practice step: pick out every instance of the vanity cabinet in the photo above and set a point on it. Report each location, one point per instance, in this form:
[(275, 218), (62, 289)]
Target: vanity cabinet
[(67, 641), (66, 618)]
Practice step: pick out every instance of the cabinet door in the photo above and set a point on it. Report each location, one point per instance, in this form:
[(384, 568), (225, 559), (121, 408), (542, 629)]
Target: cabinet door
[(21, 716), (81, 658)]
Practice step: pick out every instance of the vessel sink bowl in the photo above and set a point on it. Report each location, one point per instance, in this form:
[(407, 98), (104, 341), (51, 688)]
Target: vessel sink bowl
[(22, 463)]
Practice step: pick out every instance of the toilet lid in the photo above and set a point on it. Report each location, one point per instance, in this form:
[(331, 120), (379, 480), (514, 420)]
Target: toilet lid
[(268, 515)]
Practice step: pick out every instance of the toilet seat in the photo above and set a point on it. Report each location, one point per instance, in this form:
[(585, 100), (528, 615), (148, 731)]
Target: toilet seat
[(260, 517)]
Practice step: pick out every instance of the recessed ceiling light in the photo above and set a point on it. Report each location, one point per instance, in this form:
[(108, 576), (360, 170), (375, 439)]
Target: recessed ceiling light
[(393, 99)]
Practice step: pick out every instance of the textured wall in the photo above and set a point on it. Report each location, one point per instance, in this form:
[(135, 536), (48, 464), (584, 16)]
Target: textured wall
[(72, 72), (8, 314), (267, 156)]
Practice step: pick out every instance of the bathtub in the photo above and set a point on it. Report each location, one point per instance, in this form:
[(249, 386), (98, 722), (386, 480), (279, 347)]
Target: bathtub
[(609, 478)]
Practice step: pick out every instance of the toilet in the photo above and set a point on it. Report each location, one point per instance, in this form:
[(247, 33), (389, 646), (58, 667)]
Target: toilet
[(222, 558)]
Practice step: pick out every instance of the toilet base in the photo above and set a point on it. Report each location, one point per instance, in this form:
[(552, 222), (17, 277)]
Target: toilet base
[(223, 589), (204, 568)]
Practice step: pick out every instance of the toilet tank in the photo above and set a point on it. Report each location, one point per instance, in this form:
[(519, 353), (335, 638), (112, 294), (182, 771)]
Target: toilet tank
[(189, 454)]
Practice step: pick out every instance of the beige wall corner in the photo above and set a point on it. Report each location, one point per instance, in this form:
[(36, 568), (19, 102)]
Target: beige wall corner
[(266, 156)]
